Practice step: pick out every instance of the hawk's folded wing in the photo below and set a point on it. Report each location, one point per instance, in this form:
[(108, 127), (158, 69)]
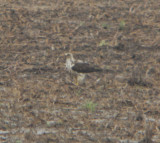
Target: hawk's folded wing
[(85, 68)]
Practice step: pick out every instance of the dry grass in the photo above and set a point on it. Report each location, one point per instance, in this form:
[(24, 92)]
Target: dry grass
[(38, 101)]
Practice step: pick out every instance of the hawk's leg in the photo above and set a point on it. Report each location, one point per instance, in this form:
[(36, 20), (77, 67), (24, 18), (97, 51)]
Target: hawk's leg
[(81, 79)]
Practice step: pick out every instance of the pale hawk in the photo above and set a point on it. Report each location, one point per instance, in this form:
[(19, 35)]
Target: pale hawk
[(80, 68)]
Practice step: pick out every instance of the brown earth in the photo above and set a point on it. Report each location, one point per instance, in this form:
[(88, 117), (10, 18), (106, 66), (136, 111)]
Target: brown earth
[(39, 100)]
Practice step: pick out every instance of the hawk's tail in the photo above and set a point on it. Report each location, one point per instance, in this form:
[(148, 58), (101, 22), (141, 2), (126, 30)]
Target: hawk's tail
[(96, 69)]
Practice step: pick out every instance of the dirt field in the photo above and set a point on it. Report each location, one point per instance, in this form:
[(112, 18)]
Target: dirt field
[(39, 100)]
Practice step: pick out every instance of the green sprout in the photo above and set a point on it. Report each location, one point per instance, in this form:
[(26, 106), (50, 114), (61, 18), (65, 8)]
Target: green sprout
[(90, 106), (122, 25), (102, 43)]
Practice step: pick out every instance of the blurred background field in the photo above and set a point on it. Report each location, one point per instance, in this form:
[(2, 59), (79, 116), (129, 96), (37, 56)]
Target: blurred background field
[(39, 102)]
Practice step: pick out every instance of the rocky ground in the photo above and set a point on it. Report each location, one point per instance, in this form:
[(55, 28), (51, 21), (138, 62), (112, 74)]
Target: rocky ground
[(39, 100)]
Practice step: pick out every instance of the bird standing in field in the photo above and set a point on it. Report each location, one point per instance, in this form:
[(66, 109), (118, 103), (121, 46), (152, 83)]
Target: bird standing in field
[(80, 68)]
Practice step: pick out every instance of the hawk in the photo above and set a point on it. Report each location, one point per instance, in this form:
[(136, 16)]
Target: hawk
[(80, 68)]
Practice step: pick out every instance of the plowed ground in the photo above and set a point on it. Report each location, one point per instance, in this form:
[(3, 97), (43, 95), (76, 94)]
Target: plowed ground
[(39, 100)]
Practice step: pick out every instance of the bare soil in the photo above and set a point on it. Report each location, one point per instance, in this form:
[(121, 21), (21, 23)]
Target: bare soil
[(39, 100)]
